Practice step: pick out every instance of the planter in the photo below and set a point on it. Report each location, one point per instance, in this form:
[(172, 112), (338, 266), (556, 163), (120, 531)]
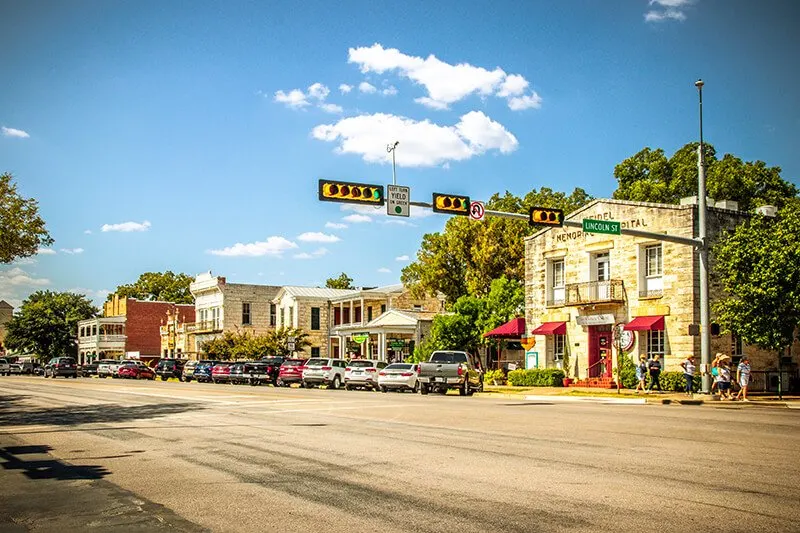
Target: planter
[(566, 382)]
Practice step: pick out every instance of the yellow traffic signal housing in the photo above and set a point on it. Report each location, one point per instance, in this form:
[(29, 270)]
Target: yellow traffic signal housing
[(450, 204), (354, 193), (546, 217)]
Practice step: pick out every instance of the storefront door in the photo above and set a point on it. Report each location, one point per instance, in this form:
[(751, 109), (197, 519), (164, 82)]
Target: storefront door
[(600, 350)]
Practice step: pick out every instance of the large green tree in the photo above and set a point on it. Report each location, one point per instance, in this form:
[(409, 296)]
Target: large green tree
[(649, 176), (467, 256), (22, 230), (343, 281), (158, 286), (759, 267), (243, 345), (47, 324)]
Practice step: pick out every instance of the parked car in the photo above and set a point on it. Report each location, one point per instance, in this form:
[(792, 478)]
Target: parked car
[(221, 373), (449, 369), (31, 367), (320, 371), (362, 374), (38, 370), (88, 370), (61, 366), (291, 371), (170, 368), (5, 367), (399, 377), (114, 367), (135, 370), (237, 373), (16, 368), (252, 372), (188, 370), (202, 371), (273, 367), (104, 367)]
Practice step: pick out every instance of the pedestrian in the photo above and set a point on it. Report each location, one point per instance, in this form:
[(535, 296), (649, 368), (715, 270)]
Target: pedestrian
[(724, 378), (641, 374), (688, 373), (743, 377), (654, 366), (715, 371)]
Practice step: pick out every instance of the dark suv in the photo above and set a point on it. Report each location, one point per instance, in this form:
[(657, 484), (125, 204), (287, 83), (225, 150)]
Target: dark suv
[(61, 366), (170, 368)]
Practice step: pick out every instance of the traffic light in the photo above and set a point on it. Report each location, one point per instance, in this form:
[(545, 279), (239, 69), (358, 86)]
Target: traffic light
[(546, 217), (354, 193), (450, 204)]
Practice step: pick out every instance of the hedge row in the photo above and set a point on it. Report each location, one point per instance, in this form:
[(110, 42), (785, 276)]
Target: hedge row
[(494, 375), (536, 377), (674, 381)]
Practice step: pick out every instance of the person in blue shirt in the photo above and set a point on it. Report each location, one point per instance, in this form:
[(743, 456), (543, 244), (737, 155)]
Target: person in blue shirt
[(743, 377)]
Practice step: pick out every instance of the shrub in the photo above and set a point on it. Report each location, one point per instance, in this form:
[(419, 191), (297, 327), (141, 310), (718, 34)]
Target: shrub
[(492, 376), (536, 377), (627, 372), (675, 382)]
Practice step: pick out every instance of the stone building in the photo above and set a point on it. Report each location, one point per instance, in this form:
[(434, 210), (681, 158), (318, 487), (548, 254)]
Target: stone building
[(6, 312), (579, 285), (176, 340)]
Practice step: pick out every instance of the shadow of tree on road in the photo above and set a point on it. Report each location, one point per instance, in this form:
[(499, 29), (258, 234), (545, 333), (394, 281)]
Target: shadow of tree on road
[(46, 468)]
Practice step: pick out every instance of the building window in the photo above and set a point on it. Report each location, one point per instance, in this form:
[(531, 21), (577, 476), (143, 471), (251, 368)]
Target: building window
[(315, 351), (369, 314), (94, 330), (273, 311), (417, 308), (81, 333), (315, 318), (559, 346), (556, 284), (346, 316), (246, 314), (291, 317), (652, 276), (383, 308), (655, 342)]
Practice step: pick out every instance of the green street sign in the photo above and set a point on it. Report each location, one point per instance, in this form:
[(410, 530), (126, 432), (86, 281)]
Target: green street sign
[(397, 344), (610, 227)]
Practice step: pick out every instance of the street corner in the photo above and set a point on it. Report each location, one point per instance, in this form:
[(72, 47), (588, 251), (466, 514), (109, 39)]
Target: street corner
[(585, 399)]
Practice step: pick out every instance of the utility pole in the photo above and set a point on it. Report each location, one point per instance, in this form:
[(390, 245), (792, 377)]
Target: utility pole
[(702, 208), (391, 148)]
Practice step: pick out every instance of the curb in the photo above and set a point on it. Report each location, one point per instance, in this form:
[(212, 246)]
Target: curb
[(585, 399)]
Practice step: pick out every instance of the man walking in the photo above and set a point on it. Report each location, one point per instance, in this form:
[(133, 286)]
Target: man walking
[(654, 366), (688, 373), (743, 378)]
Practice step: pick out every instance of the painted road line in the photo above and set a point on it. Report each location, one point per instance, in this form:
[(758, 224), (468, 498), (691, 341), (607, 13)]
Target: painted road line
[(587, 399)]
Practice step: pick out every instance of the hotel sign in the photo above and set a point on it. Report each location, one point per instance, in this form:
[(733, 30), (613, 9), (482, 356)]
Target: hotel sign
[(609, 227), (595, 320)]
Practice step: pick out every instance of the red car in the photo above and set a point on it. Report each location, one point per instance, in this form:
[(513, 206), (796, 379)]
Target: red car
[(291, 371), (221, 373), (136, 371)]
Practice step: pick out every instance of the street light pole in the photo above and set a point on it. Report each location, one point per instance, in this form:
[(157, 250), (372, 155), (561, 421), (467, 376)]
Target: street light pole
[(390, 148), (705, 331)]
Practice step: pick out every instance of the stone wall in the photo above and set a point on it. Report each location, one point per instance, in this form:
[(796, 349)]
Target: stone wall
[(258, 296)]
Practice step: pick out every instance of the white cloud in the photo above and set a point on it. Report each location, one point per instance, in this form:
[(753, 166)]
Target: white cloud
[(335, 225), (127, 226), (445, 83), (667, 10), (17, 277), (319, 252), (391, 90), (528, 101), (87, 232), (273, 246), (367, 88), (295, 99), (344, 88), (316, 236), (331, 108), (72, 251), (97, 296), (401, 258), (424, 144), (397, 222), (45, 251), (357, 219), (384, 270), (414, 211), (318, 91), (13, 132)]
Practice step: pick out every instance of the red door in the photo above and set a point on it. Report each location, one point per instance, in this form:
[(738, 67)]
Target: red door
[(599, 351)]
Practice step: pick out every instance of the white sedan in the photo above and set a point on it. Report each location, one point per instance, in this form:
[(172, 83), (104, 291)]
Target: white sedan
[(399, 376)]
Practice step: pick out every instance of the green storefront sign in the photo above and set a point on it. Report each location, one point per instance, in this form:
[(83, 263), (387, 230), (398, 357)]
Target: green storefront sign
[(397, 344), (359, 337), (610, 227)]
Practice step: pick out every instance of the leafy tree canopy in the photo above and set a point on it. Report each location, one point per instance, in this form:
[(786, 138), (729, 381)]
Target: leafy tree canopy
[(759, 267), (467, 256), (22, 230), (158, 286), (649, 176), (342, 282), (47, 324), (243, 345)]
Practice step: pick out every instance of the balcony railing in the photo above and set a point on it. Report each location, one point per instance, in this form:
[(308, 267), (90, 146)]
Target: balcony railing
[(591, 292), (657, 293), (98, 339), (207, 326)]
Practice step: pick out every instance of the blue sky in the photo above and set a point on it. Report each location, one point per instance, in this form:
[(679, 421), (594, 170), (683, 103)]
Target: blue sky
[(190, 137)]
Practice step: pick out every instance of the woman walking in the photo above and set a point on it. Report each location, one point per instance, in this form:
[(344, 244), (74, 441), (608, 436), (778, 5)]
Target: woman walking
[(724, 378), (743, 377), (641, 374), (688, 373), (655, 371)]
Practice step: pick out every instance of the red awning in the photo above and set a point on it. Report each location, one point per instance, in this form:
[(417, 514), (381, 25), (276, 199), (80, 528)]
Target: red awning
[(645, 323), (551, 328), (514, 329)]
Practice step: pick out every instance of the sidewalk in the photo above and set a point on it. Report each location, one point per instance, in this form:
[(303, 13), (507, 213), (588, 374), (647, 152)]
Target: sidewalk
[(608, 395)]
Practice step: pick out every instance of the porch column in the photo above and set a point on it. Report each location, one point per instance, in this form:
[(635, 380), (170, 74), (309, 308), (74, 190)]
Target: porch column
[(341, 313), (352, 314), (363, 313), (382, 346)]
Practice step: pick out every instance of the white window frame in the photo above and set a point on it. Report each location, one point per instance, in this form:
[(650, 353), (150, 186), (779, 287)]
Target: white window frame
[(556, 285), (559, 347), (656, 342)]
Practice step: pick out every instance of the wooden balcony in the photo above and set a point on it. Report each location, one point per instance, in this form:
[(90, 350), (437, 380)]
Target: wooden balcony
[(593, 292), (208, 326)]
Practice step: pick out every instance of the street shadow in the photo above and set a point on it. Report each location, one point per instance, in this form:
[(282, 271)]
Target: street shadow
[(13, 413), (47, 468), (526, 403)]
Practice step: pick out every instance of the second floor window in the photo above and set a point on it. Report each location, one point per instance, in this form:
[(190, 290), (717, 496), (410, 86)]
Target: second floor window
[(652, 276), (369, 314), (273, 314), (246, 314), (383, 308), (557, 281), (315, 318), (315, 351)]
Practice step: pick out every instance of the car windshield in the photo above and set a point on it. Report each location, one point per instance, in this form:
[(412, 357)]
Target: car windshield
[(293, 362), (448, 357), (317, 362), (361, 364), (399, 366)]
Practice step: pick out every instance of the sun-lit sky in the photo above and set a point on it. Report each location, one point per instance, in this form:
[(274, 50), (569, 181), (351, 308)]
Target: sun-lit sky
[(191, 136)]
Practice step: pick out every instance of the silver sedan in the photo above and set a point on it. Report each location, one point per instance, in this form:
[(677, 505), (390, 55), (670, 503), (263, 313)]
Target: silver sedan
[(399, 376)]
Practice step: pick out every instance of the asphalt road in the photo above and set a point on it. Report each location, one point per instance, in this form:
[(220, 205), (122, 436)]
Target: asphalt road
[(112, 455)]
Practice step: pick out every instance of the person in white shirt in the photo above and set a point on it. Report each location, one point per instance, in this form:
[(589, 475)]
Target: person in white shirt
[(743, 377), (688, 373)]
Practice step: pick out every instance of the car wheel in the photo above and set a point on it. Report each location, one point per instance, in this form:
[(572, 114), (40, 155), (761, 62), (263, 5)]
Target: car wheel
[(348, 387), (442, 390), (383, 389), (335, 383), (415, 389), (74, 376), (464, 389), (423, 388)]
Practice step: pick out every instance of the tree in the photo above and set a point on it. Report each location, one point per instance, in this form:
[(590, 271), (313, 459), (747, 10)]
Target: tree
[(759, 267), (467, 256), (47, 324), (280, 340), (648, 176), (222, 348), (158, 286), (243, 345), (22, 230), (342, 282)]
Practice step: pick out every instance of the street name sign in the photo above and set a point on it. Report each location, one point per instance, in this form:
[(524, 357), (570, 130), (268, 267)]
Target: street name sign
[(609, 227), (397, 200)]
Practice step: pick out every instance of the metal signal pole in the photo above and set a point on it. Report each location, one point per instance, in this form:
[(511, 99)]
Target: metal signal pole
[(705, 331), (391, 148)]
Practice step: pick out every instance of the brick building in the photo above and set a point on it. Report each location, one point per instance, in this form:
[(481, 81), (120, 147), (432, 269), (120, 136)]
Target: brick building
[(128, 328), (579, 285)]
